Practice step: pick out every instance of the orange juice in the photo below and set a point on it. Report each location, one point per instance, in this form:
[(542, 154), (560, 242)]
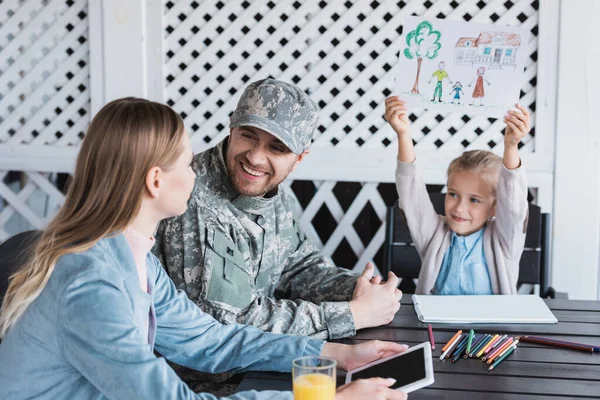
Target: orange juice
[(314, 387)]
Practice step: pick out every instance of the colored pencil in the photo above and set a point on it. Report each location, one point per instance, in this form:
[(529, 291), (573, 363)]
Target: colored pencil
[(449, 346), (480, 344), (489, 343), (498, 343), (572, 345), (490, 356), (457, 334), (453, 348), (459, 350), (497, 356), (505, 343), (470, 340), (595, 348), (476, 340), (493, 344), (431, 340), (498, 361)]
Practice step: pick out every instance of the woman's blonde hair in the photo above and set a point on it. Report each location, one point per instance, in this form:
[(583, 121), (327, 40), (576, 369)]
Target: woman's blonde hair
[(125, 139), (481, 162)]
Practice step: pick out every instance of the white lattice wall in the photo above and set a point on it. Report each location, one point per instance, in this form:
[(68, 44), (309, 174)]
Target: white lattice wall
[(343, 53), (44, 102)]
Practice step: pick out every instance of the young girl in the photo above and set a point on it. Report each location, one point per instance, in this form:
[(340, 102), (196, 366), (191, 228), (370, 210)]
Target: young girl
[(476, 247), (457, 89), (82, 318)]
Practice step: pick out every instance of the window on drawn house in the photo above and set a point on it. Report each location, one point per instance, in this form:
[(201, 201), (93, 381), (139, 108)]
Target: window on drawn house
[(509, 52), (487, 51)]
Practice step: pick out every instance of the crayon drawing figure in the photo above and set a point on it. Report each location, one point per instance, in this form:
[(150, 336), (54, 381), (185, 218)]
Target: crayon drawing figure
[(422, 42), (493, 49), (479, 90), (458, 91), (440, 74)]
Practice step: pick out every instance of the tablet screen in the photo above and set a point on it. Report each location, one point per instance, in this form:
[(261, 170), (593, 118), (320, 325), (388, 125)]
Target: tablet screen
[(407, 368)]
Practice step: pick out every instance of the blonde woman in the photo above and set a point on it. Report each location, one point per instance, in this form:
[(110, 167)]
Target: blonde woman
[(81, 319)]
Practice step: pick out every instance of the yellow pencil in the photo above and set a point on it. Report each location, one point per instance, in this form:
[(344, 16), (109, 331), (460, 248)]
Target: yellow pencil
[(480, 352)]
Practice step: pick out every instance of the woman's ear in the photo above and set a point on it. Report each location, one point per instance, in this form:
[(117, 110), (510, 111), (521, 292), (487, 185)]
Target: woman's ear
[(154, 181)]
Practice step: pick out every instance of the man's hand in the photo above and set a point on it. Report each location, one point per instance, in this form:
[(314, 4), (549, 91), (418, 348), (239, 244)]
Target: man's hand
[(374, 304), (372, 389)]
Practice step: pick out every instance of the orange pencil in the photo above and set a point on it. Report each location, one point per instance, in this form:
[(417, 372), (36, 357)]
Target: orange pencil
[(490, 357), (503, 352), (451, 340)]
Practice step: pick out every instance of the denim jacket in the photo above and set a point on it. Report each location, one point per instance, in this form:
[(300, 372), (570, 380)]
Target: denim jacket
[(84, 336)]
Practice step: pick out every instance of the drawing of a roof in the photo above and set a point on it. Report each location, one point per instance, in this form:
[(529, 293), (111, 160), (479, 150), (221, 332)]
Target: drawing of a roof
[(509, 39), (466, 42)]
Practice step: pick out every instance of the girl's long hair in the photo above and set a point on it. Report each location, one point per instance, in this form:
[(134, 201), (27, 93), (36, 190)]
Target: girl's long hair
[(125, 139)]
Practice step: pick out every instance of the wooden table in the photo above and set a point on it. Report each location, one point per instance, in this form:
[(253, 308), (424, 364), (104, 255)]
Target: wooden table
[(531, 372)]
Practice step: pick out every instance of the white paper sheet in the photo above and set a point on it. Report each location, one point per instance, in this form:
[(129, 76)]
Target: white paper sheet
[(469, 68)]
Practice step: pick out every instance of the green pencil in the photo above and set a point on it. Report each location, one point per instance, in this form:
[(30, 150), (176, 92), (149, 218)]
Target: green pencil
[(470, 341), (498, 361)]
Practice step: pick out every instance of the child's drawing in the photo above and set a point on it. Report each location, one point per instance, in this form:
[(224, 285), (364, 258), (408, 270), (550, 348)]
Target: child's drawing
[(489, 59), (494, 49), (440, 74), (479, 91), (457, 90)]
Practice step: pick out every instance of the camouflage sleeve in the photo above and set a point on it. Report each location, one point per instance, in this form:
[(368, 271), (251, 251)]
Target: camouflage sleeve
[(291, 317), (158, 249), (310, 276)]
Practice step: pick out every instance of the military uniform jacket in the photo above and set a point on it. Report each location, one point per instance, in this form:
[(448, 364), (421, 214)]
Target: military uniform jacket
[(246, 260)]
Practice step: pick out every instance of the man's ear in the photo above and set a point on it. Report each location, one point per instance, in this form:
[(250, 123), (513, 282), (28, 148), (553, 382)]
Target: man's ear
[(154, 181), (230, 134), (299, 158)]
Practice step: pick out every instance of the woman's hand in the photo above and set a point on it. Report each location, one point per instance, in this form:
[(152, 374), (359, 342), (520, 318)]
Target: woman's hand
[(349, 357), (371, 389)]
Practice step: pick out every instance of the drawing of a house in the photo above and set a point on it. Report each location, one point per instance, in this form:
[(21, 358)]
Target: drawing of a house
[(494, 49)]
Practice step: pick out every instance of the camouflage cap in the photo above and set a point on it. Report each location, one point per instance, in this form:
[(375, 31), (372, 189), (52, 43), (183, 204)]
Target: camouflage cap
[(279, 108)]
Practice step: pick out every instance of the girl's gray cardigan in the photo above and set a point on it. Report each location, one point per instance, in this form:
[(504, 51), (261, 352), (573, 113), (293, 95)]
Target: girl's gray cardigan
[(503, 240)]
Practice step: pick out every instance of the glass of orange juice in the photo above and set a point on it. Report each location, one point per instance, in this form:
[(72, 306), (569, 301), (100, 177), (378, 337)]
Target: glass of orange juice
[(314, 378)]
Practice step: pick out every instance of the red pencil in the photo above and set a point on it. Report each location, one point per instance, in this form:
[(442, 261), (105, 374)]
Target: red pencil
[(596, 348), (431, 340), (573, 346)]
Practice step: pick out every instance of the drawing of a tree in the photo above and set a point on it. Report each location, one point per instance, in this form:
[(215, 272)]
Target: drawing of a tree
[(422, 42)]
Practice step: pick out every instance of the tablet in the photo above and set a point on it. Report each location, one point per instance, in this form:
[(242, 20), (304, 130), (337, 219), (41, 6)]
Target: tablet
[(412, 369)]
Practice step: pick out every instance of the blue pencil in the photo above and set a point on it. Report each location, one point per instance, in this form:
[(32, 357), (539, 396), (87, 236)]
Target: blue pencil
[(459, 351), (480, 345), (456, 345)]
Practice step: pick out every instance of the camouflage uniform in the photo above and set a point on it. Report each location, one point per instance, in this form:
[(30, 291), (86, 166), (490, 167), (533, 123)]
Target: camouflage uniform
[(245, 259)]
